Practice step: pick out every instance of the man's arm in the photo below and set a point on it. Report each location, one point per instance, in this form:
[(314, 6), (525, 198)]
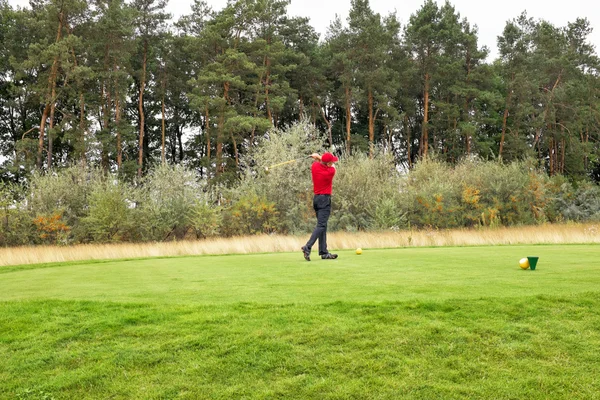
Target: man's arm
[(316, 156)]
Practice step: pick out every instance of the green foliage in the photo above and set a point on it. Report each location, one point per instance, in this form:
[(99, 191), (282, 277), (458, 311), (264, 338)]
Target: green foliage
[(110, 218), (165, 202), (81, 205), (476, 192), (16, 224), (366, 194), (582, 204), (250, 215), (288, 186), (206, 219), (97, 71), (65, 191)]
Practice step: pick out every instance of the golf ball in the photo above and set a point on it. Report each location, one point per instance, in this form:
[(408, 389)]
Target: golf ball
[(524, 263), (359, 251)]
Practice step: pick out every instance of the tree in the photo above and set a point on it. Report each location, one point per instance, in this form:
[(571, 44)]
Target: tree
[(372, 42), (58, 17), (18, 107), (111, 47), (515, 57), (342, 71), (150, 23)]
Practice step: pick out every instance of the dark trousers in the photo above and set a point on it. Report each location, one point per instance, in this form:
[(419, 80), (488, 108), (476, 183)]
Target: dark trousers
[(322, 206)]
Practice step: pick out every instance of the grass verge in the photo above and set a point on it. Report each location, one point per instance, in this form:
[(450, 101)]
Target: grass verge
[(542, 234)]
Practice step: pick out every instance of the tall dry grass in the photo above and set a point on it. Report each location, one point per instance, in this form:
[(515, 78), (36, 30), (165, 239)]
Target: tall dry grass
[(546, 234)]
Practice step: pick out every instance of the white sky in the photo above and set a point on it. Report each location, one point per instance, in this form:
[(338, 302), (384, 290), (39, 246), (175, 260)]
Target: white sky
[(489, 16)]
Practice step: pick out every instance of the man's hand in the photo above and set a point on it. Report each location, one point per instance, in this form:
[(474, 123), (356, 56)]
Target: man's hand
[(316, 156)]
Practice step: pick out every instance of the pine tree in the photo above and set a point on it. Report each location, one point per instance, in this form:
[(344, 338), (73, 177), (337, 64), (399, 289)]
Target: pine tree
[(150, 23)]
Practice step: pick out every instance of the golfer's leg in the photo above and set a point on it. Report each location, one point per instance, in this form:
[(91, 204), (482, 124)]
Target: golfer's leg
[(323, 242), (318, 229), (324, 217)]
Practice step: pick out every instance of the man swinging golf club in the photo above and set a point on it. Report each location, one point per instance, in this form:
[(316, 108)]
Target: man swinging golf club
[(323, 172)]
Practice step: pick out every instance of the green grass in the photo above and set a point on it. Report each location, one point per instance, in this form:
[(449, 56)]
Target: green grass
[(419, 323)]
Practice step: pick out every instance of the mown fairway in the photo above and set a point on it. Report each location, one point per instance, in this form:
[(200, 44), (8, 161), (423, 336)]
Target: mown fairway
[(418, 323)]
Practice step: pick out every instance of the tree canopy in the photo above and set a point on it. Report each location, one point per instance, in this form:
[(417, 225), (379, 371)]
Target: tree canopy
[(121, 86)]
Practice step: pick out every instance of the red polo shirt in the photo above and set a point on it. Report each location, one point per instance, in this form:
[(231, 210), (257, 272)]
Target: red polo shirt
[(322, 177)]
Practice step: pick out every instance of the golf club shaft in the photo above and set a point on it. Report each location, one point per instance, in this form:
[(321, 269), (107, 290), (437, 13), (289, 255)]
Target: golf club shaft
[(281, 163), (284, 163)]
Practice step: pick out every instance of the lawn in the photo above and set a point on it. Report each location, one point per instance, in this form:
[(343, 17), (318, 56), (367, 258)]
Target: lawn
[(414, 323)]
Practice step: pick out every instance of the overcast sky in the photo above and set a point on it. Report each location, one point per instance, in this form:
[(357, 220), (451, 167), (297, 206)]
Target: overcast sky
[(489, 16)]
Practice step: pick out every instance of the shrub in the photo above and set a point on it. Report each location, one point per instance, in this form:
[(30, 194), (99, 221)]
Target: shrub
[(250, 215), (52, 229), (206, 219), (475, 192), (16, 223), (288, 187), (366, 194), (64, 191), (580, 205), (165, 202), (207, 216), (110, 217)]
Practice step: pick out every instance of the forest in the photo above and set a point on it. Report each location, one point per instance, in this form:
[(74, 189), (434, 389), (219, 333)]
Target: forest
[(121, 89), (123, 86)]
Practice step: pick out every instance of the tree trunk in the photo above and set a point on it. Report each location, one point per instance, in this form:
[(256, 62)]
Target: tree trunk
[(50, 138), (106, 107), (467, 101), (539, 132), (371, 124), (163, 129), (348, 119), (219, 154), (141, 110), (82, 127), (267, 84), (235, 150), (504, 120), (562, 156), (408, 144), (425, 130), (551, 155), (207, 131), (51, 89), (180, 143), (118, 122), (329, 137), (221, 127), (256, 106)]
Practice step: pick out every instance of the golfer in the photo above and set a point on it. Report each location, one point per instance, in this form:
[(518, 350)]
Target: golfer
[(323, 172)]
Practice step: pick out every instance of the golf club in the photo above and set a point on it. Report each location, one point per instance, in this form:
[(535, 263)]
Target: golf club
[(267, 169)]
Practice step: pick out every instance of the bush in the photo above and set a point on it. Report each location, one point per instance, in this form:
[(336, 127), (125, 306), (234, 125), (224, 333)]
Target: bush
[(475, 193), (582, 204), (16, 222), (250, 215), (110, 216), (52, 229), (165, 202), (366, 194), (288, 187), (64, 192), (206, 219)]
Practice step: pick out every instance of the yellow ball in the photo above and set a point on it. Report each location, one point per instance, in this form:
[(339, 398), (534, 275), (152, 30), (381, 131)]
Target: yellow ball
[(359, 251), (524, 263)]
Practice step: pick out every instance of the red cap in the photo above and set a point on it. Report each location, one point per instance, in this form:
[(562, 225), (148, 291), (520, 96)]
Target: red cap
[(328, 157)]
